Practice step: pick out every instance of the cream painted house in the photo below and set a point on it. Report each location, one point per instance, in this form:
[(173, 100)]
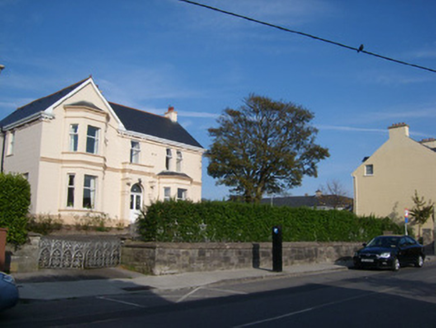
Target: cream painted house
[(385, 182), (83, 155)]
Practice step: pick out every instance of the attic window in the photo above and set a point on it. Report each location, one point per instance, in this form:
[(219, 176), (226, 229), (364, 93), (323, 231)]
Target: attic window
[(369, 169)]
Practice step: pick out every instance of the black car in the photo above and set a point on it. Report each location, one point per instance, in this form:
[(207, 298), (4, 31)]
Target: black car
[(390, 252)]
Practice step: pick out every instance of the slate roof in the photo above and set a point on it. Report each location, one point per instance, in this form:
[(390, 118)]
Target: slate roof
[(133, 119), (323, 201), (151, 124), (38, 105)]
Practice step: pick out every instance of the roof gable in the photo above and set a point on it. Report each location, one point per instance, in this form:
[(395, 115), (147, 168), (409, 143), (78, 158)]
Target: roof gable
[(398, 148), (38, 106), (154, 125)]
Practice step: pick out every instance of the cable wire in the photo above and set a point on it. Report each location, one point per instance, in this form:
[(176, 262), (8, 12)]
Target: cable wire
[(359, 49)]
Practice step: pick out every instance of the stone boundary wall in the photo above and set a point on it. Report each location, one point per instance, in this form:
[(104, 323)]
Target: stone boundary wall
[(172, 258)]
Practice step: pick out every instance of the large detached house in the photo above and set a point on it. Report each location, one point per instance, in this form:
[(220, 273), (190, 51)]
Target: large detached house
[(84, 155), (385, 182)]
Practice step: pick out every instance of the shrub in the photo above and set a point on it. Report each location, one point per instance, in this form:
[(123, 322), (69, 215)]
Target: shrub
[(92, 221), (14, 206), (184, 221), (44, 224)]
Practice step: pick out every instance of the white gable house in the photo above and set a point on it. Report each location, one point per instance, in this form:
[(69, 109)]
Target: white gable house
[(84, 155)]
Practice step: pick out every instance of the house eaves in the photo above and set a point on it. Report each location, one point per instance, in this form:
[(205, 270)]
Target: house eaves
[(28, 119), (160, 140)]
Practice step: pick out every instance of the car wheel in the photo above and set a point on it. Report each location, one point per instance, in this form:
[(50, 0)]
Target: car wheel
[(419, 261), (395, 264)]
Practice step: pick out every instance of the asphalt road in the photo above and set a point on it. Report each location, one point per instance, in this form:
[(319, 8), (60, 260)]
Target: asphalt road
[(353, 298)]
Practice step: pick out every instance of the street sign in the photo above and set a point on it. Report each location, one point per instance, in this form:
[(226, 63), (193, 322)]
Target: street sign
[(406, 220)]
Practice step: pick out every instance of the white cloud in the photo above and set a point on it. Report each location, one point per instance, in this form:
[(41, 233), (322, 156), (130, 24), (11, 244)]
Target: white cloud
[(198, 114), (349, 128)]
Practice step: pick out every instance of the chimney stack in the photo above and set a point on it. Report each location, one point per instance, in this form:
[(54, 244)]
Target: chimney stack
[(398, 129), (429, 142), (171, 114)]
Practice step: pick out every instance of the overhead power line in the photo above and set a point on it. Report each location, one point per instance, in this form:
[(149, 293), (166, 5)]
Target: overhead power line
[(359, 49)]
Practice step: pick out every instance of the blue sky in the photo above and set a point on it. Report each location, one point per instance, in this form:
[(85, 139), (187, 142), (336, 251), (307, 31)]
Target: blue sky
[(155, 53)]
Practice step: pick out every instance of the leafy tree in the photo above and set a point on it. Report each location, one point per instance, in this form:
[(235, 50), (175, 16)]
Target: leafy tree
[(422, 210), (264, 146)]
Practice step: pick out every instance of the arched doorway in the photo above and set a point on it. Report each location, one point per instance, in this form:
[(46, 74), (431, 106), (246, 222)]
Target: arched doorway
[(135, 201)]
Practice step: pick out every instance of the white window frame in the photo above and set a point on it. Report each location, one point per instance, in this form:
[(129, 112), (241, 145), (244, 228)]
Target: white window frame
[(369, 170), (135, 150), (74, 137), (89, 190), (92, 140), (11, 143), (179, 161), (70, 189), (168, 159), (182, 194), (167, 193)]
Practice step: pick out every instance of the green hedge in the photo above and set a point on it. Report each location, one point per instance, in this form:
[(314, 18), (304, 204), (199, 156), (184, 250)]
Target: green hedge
[(14, 206), (185, 221)]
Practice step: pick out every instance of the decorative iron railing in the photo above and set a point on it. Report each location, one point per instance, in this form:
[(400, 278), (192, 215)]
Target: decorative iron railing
[(79, 252)]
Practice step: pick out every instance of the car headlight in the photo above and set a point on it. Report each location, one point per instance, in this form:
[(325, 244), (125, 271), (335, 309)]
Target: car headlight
[(385, 255)]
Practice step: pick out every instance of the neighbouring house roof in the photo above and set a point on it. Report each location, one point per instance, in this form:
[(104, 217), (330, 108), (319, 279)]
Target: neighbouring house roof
[(134, 120), (315, 201)]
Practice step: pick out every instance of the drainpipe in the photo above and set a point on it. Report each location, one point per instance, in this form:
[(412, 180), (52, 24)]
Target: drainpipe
[(3, 150)]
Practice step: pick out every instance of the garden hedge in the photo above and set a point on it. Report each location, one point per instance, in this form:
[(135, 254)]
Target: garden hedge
[(14, 206), (184, 221)]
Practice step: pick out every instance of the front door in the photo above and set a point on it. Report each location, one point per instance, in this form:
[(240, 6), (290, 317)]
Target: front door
[(135, 202)]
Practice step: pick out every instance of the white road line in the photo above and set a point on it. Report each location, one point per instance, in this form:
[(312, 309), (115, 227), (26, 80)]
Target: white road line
[(227, 291), (274, 318), (187, 295), (312, 308), (122, 302)]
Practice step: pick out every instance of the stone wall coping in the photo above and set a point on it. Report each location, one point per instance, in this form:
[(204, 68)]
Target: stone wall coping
[(215, 245)]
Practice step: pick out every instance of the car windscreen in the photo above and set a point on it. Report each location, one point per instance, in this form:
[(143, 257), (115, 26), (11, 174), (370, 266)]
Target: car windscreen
[(385, 242)]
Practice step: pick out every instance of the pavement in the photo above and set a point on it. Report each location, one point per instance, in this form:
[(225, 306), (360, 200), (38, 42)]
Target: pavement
[(46, 285)]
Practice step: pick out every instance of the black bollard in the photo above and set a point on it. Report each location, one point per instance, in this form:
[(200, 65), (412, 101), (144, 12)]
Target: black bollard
[(277, 249)]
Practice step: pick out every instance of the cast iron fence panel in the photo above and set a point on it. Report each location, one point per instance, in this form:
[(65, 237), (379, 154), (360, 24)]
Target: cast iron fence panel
[(79, 252)]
